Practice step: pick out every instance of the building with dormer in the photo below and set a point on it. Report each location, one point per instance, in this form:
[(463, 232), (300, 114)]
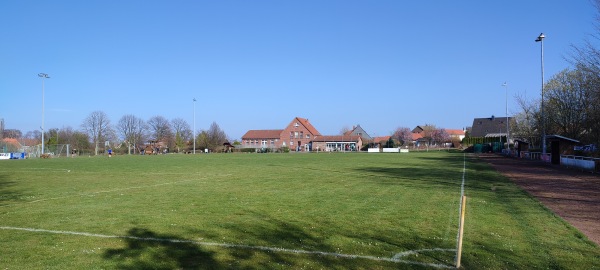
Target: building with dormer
[(297, 136)]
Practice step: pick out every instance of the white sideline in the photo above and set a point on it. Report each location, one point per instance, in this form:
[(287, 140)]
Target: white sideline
[(120, 189), (396, 258)]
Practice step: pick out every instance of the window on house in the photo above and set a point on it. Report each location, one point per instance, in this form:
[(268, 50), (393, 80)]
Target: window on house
[(291, 134), (308, 136), (295, 134), (301, 134)]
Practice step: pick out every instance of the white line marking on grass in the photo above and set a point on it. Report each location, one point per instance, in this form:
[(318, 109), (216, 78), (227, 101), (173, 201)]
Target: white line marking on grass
[(41, 170), (109, 191), (396, 258), (118, 189)]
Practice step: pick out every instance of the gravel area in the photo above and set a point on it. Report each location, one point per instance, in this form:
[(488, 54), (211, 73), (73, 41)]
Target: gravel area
[(572, 194)]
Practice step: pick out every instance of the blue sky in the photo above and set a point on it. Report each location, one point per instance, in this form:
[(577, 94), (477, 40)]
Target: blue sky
[(258, 64)]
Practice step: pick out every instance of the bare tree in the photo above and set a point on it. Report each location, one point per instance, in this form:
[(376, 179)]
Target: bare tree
[(34, 136), (344, 130), (213, 138), (160, 128), (216, 136), (586, 59), (132, 130), (527, 123), (97, 126), (11, 133)]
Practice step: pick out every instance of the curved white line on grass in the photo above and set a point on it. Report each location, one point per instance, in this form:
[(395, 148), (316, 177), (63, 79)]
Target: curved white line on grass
[(395, 259)]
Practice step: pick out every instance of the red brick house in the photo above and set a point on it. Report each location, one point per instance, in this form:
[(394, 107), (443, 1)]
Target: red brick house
[(297, 135)]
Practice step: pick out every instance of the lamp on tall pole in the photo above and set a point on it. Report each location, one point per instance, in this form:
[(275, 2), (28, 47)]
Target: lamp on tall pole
[(507, 127), (194, 132), (540, 39), (43, 76)]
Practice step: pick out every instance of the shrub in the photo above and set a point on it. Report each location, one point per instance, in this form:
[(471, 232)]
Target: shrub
[(248, 150)]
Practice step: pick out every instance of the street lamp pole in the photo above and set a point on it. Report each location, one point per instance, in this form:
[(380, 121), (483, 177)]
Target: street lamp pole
[(43, 76), (194, 133), (507, 127), (540, 39)]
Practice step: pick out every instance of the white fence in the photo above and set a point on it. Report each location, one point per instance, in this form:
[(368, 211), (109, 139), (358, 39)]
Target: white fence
[(584, 163)]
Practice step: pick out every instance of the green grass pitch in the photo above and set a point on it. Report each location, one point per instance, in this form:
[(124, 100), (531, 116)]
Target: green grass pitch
[(275, 211)]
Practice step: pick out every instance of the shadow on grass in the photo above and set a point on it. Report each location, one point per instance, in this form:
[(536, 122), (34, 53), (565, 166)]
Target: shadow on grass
[(264, 245), (149, 250), (291, 245), (6, 193), (421, 177), (274, 243), (281, 234)]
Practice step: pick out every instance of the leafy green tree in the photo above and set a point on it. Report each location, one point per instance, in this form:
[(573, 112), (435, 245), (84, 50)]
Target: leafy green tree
[(183, 133)]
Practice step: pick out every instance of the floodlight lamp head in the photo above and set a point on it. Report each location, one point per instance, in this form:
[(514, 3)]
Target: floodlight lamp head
[(43, 75), (540, 37)]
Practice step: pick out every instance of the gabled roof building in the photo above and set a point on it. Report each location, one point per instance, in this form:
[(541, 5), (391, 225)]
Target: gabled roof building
[(297, 135), (359, 131), (490, 127), (300, 135)]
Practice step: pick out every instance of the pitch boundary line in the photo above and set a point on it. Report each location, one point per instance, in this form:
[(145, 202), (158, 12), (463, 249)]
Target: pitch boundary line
[(397, 258), (113, 190)]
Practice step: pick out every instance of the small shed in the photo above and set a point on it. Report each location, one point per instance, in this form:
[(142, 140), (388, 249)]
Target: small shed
[(560, 145), (228, 147), (521, 146)]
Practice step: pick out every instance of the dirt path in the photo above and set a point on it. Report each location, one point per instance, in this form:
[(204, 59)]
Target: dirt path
[(571, 194)]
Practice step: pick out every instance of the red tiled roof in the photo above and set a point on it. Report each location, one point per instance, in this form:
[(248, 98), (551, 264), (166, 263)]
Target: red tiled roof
[(308, 126), (263, 134), (12, 141), (381, 139), (455, 131), (336, 138), (416, 136)]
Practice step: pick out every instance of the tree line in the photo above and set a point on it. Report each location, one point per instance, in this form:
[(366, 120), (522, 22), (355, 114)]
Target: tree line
[(570, 99), (130, 134)]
